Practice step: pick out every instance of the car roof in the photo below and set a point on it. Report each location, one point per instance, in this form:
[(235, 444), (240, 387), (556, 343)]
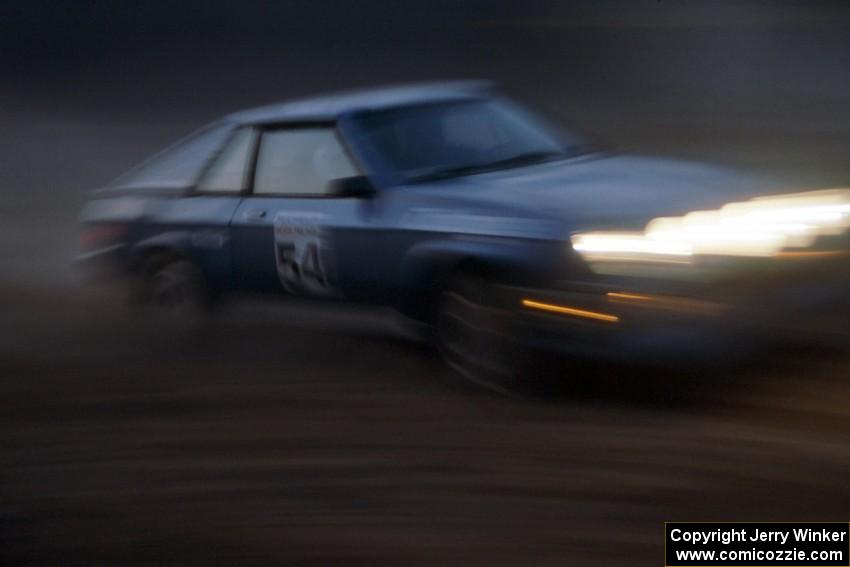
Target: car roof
[(164, 171), (330, 106)]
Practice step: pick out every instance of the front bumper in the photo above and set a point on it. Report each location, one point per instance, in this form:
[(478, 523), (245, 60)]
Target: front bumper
[(624, 326), (663, 321)]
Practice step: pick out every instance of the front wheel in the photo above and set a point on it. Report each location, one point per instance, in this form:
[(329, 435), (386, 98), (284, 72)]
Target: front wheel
[(477, 337)]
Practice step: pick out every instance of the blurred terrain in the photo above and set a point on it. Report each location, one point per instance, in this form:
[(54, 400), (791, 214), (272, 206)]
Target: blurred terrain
[(287, 436)]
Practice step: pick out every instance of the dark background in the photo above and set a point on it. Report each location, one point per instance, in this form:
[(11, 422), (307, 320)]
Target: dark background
[(90, 88)]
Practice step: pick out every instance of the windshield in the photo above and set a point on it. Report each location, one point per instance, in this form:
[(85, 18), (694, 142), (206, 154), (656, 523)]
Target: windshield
[(455, 138)]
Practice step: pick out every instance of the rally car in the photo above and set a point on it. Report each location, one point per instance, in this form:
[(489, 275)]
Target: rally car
[(463, 209)]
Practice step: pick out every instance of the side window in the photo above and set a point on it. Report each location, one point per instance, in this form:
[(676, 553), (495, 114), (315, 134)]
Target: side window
[(300, 162), (229, 171)]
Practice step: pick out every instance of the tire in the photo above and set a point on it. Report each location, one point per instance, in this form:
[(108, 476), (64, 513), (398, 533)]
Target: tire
[(476, 337), (173, 299)]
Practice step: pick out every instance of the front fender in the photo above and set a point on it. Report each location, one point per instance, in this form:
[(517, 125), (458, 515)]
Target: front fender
[(428, 266)]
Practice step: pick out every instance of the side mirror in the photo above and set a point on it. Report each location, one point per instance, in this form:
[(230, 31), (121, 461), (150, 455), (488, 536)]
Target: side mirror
[(357, 187)]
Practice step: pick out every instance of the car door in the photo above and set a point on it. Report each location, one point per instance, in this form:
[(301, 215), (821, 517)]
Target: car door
[(290, 233)]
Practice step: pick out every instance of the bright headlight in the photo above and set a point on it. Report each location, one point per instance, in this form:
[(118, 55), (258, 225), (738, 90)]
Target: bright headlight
[(760, 227)]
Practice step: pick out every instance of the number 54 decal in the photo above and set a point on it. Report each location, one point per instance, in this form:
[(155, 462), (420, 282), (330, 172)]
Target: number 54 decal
[(302, 253)]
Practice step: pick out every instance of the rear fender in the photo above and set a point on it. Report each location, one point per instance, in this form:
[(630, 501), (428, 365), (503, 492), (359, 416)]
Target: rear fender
[(177, 242)]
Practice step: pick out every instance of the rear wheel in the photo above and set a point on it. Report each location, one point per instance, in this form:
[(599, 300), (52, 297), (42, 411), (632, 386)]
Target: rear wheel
[(477, 338), (174, 298)]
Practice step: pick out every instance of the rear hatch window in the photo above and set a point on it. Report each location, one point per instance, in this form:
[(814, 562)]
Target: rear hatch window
[(179, 165)]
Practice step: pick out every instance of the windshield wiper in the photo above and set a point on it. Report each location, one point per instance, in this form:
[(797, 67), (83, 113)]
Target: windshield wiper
[(432, 174), (528, 158), (518, 160)]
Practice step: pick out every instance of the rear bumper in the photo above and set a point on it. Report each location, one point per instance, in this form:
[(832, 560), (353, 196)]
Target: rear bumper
[(101, 264)]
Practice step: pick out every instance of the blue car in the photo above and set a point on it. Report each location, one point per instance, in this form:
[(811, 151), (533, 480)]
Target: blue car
[(462, 209)]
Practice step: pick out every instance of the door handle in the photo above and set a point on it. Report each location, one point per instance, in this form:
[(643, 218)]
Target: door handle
[(255, 215)]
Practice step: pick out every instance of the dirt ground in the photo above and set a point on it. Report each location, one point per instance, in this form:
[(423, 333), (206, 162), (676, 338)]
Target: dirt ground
[(293, 437)]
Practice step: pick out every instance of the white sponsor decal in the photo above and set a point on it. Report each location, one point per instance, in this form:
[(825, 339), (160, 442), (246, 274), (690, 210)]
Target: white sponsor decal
[(303, 254)]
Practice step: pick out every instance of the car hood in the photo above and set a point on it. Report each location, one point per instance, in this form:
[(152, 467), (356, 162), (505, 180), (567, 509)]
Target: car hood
[(613, 191)]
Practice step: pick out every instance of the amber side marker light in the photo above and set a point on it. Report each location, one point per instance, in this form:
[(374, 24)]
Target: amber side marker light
[(668, 303), (634, 296), (551, 308)]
